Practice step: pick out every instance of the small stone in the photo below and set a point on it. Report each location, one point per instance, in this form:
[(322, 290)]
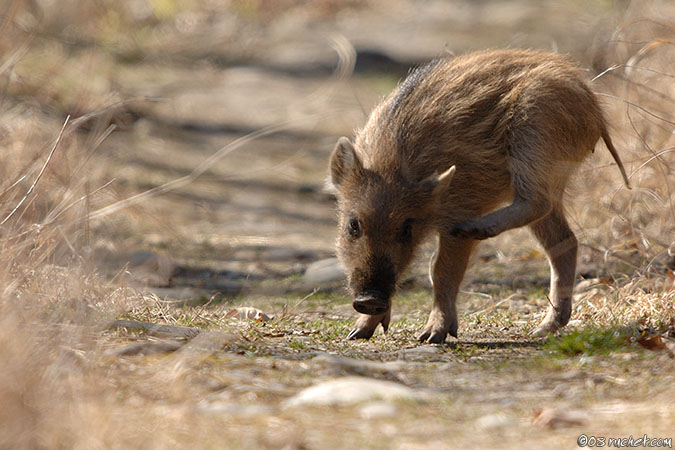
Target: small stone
[(324, 271), (378, 410), (234, 409), (576, 323), (420, 353), (357, 366), (493, 421), (247, 312), (151, 269), (586, 359), (350, 390)]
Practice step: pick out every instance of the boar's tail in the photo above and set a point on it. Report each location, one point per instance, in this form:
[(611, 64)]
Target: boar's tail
[(615, 155)]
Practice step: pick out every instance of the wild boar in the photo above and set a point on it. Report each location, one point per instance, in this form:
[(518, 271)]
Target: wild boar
[(467, 147)]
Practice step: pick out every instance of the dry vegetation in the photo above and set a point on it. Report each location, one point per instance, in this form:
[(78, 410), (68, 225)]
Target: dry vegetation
[(60, 385)]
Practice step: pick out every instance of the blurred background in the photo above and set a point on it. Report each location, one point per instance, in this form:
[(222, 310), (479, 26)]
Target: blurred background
[(159, 86), (177, 151)]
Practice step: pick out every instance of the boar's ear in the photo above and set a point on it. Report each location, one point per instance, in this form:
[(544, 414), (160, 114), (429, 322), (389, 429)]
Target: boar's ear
[(437, 184), (343, 161)]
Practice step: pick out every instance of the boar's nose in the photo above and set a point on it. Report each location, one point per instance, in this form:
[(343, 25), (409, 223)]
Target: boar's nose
[(371, 303)]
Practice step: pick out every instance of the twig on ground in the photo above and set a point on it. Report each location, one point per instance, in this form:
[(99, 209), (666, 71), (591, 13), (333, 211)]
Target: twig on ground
[(295, 307)]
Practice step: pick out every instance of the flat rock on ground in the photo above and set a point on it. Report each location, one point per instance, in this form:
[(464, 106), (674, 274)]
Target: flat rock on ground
[(349, 390)]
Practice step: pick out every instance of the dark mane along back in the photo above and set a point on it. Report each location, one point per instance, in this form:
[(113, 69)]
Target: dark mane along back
[(411, 82)]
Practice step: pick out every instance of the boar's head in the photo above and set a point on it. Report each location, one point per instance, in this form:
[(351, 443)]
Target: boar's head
[(383, 216)]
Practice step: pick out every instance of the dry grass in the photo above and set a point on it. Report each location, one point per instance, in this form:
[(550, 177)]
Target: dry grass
[(59, 389), (633, 232)]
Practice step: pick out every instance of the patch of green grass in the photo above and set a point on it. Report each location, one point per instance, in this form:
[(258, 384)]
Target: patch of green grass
[(413, 324), (587, 341), (328, 329), (413, 300), (325, 298)]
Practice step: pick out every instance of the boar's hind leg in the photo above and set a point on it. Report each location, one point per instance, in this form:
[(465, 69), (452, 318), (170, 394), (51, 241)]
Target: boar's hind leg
[(451, 260), (561, 247), (366, 325)]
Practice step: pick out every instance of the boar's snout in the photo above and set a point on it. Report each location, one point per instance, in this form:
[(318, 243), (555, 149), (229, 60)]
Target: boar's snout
[(373, 285), (371, 303)]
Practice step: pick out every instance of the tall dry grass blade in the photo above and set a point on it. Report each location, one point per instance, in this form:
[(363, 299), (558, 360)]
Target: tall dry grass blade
[(635, 105), (11, 186), (53, 217), (346, 56), (59, 208), (652, 158), (10, 13), (15, 57), (655, 156), (44, 167), (630, 66)]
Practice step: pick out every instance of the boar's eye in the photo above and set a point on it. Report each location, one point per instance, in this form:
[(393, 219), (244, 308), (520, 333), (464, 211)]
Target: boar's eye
[(405, 234), (354, 228)]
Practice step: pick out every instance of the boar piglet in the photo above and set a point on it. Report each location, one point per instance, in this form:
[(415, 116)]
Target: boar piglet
[(466, 147)]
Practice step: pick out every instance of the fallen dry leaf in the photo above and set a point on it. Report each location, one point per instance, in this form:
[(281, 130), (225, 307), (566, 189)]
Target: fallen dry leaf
[(656, 343), (606, 281), (247, 312), (653, 342), (554, 418)]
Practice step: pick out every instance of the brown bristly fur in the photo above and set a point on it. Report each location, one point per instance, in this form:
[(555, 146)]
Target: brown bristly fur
[(516, 124)]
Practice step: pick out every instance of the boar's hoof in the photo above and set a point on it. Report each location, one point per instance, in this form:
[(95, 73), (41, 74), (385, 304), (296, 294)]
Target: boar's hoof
[(472, 230), (371, 304), (432, 337), (543, 331), (545, 328), (361, 333), (365, 325), (556, 318), (436, 334)]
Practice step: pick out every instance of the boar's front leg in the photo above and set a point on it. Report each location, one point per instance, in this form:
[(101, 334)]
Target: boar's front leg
[(521, 212), (451, 260), (531, 194), (366, 325)]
